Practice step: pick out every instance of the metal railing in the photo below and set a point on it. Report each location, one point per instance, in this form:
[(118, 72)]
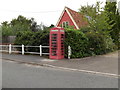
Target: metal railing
[(13, 49)]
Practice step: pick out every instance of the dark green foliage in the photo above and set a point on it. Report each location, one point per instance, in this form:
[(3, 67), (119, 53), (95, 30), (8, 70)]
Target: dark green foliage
[(34, 37), (29, 38), (5, 29), (114, 20), (21, 23), (40, 38), (51, 26), (88, 43), (78, 43), (82, 44), (18, 24), (100, 43), (24, 38)]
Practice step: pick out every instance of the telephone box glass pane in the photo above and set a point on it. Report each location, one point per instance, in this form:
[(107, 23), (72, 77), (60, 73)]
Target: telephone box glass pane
[(54, 37), (54, 45), (53, 54), (54, 34)]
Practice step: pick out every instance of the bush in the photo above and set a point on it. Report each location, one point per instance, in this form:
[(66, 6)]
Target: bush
[(78, 42), (88, 43), (23, 37), (29, 38), (40, 38), (100, 43), (82, 44)]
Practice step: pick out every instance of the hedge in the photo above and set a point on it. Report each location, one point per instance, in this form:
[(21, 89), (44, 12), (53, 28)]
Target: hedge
[(78, 42), (100, 43), (83, 44), (29, 38)]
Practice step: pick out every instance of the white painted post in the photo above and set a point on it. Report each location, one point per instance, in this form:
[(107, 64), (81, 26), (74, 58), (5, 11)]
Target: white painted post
[(10, 48), (40, 50), (69, 52), (23, 49)]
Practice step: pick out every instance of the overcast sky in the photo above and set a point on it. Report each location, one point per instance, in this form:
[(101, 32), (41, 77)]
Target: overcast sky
[(45, 11)]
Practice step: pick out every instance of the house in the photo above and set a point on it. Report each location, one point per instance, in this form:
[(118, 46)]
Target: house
[(71, 18)]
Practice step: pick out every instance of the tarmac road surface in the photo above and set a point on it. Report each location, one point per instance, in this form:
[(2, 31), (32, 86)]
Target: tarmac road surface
[(16, 75)]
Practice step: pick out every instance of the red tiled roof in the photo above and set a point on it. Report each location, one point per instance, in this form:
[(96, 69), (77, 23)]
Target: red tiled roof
[(78, 18)]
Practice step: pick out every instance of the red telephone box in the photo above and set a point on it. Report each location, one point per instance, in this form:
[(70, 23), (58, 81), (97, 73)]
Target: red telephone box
[(56, 50)]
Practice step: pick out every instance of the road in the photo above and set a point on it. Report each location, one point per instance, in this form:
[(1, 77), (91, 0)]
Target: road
[(16, 75)]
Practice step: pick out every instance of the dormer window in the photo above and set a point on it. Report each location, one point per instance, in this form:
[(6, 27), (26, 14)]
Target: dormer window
[(65, 24)]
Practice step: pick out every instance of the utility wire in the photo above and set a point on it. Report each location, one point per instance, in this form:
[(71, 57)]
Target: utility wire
[(33, 12)]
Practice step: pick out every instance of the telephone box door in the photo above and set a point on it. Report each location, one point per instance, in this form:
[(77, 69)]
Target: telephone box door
[(56, 43)]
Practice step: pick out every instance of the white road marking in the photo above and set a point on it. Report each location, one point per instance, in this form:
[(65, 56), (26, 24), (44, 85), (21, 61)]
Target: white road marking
[(86, 71), (48, 65), (48, 60)]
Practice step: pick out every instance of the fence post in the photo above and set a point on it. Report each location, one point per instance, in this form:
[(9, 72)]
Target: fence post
[(69, 52), (22, 49), (10, 48), (40, 50)]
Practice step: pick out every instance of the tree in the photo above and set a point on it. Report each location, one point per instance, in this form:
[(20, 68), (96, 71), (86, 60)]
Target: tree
[(51, 26), (34, 27), (20, 24), (98, 32), (96, 18), (88, 11), (113, 19), (6, 29)]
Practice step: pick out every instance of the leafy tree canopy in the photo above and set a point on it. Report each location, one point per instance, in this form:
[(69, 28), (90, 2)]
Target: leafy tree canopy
[(19, 24)]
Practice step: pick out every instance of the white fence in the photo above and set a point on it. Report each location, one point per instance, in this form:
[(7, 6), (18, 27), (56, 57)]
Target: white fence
[(13, 49)]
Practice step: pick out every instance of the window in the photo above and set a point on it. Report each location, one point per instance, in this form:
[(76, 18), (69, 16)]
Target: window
[(65, 24)]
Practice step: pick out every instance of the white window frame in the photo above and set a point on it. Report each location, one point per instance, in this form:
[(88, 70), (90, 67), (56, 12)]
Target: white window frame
[(65, 22)]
